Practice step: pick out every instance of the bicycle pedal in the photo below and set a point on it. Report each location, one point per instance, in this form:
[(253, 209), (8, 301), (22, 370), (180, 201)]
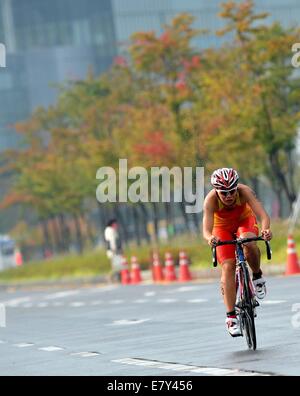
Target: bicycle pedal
[(256, 303), (236, 335)]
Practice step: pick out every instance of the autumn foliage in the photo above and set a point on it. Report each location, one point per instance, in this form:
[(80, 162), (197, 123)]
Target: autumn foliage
[(167, 103)]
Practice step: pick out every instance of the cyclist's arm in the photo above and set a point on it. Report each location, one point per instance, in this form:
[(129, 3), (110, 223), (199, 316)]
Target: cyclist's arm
[(208, 219), (257, 207)]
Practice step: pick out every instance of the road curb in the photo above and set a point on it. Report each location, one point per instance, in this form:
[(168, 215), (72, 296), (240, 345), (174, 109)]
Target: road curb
[(66, 282)]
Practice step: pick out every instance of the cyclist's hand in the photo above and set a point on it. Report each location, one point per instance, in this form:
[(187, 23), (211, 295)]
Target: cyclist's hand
[(266, 234), (213, 240)]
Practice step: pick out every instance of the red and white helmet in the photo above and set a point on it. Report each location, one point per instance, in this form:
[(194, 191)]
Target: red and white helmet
[(224, 179)]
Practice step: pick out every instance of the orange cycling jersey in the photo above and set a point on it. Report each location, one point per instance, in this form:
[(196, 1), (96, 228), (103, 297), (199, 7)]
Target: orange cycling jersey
[(237, 220), (227, 217)]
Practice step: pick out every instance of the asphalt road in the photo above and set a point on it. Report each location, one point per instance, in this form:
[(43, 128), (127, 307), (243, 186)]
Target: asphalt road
[(176, 329)]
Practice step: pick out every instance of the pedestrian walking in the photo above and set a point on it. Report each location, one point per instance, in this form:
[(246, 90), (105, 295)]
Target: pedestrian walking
[(114, 249)]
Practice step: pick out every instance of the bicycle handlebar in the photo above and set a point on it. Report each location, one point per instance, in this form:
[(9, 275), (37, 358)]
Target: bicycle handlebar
[(240, 241)]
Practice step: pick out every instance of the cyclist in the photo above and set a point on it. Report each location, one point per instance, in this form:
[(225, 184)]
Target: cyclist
[(230, 209)]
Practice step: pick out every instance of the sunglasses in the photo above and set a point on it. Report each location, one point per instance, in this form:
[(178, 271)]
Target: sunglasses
[(225, 193)]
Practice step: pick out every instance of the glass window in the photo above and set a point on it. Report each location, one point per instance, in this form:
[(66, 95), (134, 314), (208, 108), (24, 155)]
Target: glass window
[(65, 33), (1, 27), (81, 33)]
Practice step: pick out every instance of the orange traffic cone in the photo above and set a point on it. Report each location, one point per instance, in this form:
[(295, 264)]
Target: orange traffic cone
[(125, 275), (170, 269), (157, 269), (18, 258), (135, 271), (184, 272), (292, 266)]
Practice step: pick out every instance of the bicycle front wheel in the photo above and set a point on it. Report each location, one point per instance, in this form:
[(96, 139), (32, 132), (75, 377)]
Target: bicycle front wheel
[(248, 323), (249, 327)]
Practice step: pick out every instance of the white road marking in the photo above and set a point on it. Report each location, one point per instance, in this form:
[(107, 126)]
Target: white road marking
[(43, 305), (103, 289), (23, 345), (266, 302), (63, 294), (85, 354), (186, 288), (128, 322), (58, 304), (149, 293), (238, 373), (16, 301), (28, 305), (51, 349), (141, 301), (116, 302), (3, 342), (213, 371), (135, 362), (77, 304), (176, 367), (167, 300), (197, 300), (182, 367), (97, 302), (2, 315)]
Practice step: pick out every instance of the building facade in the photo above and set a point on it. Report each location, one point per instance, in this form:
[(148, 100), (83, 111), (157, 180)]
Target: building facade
[(47, 43), (142, 15)]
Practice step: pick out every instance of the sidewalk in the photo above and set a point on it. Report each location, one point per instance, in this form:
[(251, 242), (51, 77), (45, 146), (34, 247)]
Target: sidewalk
[(199, 275)]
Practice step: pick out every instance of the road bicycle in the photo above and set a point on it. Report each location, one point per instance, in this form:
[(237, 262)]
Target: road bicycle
[(246, 301)]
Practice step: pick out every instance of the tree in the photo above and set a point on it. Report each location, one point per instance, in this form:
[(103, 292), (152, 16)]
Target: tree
[(264, 52)]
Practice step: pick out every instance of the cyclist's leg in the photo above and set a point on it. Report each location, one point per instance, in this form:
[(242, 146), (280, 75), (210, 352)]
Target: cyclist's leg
[(252, 253), (226, 258), (228, 287), (249, 229)]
